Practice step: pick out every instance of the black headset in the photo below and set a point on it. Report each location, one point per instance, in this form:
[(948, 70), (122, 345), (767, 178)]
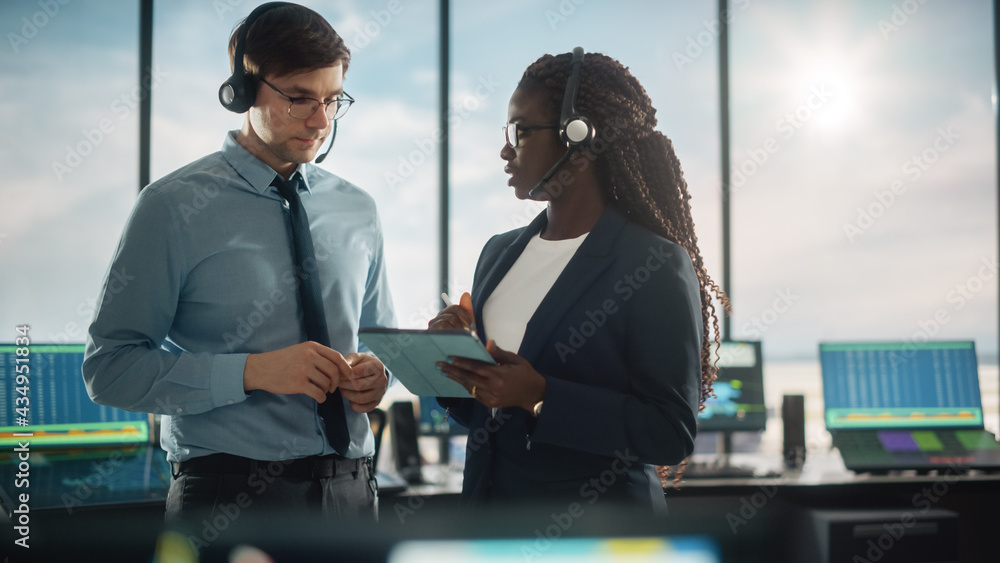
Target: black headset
[(574, 129), (239, 91)]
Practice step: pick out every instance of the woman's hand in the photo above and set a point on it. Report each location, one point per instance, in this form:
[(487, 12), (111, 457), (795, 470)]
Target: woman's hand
[(455, 317), (511, 383)]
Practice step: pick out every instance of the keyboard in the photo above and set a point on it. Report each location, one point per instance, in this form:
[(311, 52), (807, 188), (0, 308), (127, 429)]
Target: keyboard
[(922, 450), (713, 471), (390, 483)]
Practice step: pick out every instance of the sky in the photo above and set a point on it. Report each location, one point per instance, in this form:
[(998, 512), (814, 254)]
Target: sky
[(863, 147), (875, 215)]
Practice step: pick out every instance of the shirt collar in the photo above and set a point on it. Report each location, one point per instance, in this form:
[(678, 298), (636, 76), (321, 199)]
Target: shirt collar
[(253, 170)]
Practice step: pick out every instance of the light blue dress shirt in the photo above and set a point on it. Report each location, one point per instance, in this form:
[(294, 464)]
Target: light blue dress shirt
[(203, 276)]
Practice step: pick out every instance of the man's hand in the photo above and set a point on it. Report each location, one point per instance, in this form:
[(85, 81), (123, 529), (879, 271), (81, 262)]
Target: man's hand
[(309, 368), (366, 385)]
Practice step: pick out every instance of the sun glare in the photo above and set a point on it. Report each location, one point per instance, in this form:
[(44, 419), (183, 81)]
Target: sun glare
[(829, 93)]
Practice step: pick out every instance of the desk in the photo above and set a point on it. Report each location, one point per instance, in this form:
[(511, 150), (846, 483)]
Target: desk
[(84, 498), (772, 510), (753, 520), (82, 478), (758, 520)]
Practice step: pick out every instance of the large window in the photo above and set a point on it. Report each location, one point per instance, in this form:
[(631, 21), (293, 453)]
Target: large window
[(864, 180), (864, 161), (69, 98)]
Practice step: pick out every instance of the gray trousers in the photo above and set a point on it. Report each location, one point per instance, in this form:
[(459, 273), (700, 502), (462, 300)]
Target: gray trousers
[(206, 503)]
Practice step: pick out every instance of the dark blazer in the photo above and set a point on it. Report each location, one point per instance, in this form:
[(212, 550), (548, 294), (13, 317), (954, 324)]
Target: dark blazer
[(618, 339)]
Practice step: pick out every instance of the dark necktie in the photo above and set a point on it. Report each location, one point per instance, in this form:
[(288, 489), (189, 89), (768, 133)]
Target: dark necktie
[(332, 411)]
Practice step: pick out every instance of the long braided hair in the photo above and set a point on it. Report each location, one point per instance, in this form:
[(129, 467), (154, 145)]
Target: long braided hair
[(636, 167)]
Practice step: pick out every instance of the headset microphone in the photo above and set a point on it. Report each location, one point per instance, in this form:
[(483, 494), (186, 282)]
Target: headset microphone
[(538, 189), (333, 137), (574, 129)]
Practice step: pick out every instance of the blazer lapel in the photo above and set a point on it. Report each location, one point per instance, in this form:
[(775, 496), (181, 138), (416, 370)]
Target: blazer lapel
[(589, 262), (502, 265)]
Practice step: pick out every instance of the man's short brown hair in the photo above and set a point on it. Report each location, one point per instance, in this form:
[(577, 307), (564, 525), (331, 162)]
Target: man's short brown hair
[(287, 40)]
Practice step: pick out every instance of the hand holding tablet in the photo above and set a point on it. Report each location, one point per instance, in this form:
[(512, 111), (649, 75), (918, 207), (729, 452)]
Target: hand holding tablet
[(412, 355)]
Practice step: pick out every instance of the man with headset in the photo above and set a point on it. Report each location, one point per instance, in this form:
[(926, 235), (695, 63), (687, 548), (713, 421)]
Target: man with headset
[(239, 323)]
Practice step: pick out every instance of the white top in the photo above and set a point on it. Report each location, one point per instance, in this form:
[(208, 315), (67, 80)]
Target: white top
[(509, 308)]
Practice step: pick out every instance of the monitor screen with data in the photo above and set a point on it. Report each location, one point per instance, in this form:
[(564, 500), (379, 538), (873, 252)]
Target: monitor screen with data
[(43, 397), (901, 385), (738, 404)]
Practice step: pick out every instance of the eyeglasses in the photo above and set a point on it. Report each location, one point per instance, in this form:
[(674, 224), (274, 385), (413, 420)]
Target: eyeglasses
[(304, 108), (510, 131)]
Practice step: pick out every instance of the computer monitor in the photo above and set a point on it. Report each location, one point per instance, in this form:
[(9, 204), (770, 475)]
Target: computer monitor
[(594, 549), (434, 420), (42, 396), (909, 385), (738, 404)]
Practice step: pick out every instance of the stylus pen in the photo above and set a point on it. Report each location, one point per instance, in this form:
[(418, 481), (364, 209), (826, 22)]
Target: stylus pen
[(448, 303)]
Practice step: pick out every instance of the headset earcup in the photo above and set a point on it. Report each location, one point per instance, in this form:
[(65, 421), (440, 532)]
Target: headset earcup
[(236, 95), (579, 131)]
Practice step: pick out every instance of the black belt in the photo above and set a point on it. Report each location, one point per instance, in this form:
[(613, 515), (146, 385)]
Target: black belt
[(313, 467)]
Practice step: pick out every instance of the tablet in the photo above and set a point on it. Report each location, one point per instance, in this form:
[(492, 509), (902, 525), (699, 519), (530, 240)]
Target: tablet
[(412, 356)]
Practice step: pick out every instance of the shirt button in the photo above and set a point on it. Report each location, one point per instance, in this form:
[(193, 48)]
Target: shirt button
[(230, 401), (179, 410)]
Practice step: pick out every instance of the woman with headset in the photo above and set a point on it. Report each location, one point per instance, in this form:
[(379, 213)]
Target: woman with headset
[(604, 298)]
